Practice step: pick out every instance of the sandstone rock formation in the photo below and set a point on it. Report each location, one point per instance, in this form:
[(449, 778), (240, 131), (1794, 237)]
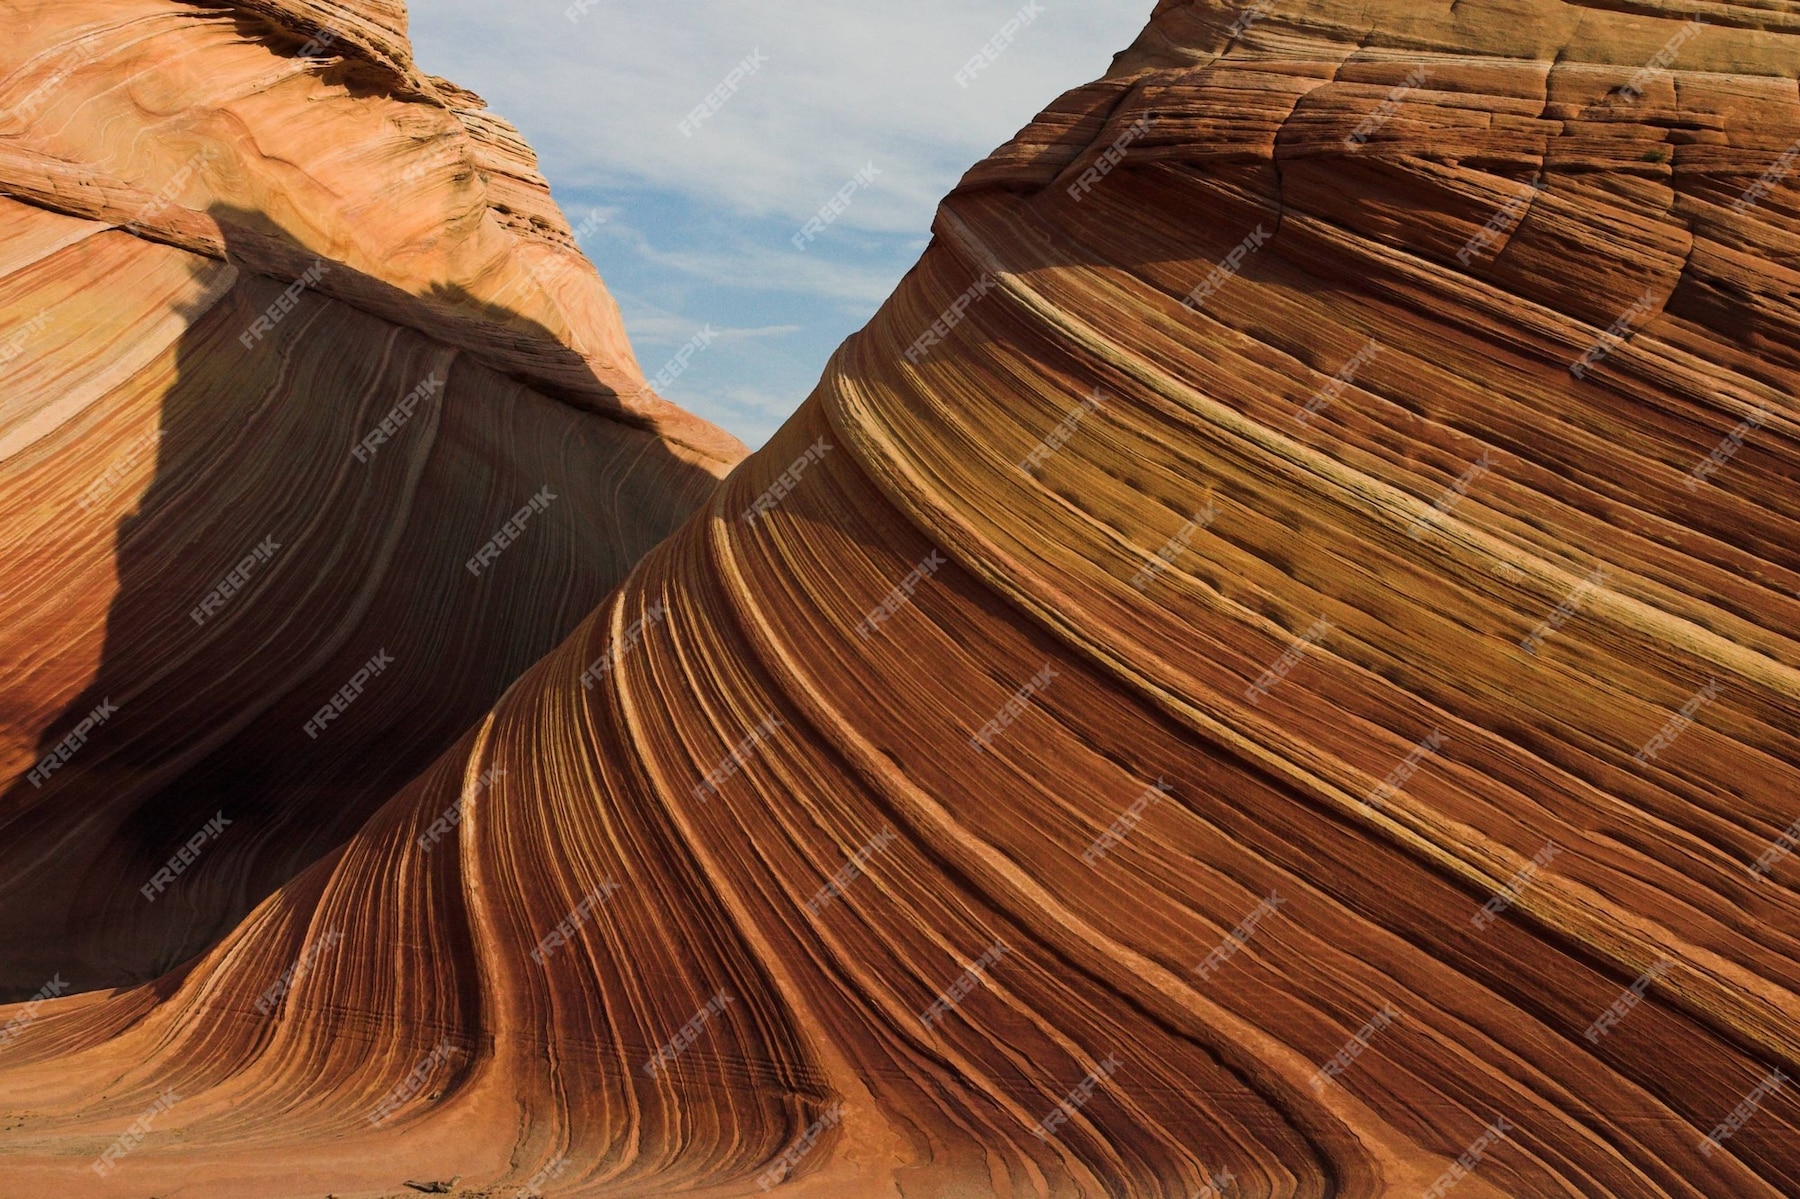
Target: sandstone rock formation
[(283, 353), (1268, 669)]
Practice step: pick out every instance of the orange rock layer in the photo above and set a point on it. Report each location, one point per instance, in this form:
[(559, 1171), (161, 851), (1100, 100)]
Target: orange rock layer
[(1268, 669), (282, 357)]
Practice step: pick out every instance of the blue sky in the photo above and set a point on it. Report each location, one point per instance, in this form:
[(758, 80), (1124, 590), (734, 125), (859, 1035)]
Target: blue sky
[(695, 228)]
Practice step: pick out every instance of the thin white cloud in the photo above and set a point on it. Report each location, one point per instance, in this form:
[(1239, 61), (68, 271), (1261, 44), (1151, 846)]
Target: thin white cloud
[(775, 268), (748, 334), (670, 329)]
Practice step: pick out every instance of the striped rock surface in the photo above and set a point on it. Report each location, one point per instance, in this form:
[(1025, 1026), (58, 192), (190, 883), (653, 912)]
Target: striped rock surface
[(287, 343), (1268, 669)]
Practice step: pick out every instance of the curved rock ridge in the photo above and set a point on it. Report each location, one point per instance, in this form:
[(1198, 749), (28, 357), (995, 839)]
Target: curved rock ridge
[(309, 119), (312, 406), (1268, 669)]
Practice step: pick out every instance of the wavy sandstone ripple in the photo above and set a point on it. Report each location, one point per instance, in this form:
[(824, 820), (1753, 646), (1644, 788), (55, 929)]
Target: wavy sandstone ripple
[(283, 351), (1272, 730)]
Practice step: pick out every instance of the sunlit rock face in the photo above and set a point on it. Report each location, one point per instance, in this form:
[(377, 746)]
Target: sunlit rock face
[(1268, 669)]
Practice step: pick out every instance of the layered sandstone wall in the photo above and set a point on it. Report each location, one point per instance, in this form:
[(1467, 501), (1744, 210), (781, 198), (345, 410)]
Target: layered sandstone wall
[(1268, 669)]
